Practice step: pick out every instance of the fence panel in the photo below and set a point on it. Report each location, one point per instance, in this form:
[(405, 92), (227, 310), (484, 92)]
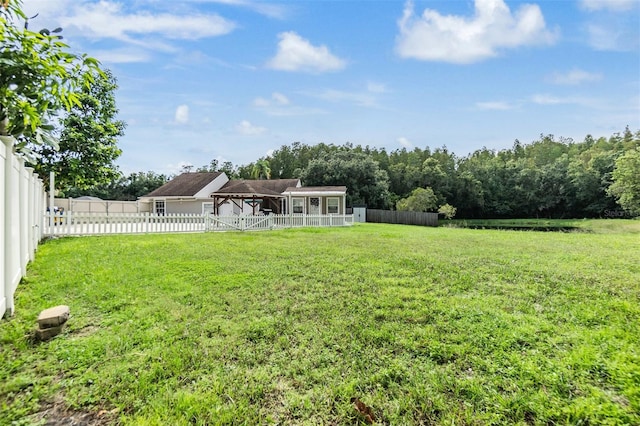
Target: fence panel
[(21, 198), (78, 223), (403, 218), (4, 153)]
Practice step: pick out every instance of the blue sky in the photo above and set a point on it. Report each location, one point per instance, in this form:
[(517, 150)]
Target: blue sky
[(234, 79)]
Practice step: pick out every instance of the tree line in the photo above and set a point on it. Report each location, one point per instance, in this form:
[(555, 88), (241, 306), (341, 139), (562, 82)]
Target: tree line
[(547, 178), (550, 177)]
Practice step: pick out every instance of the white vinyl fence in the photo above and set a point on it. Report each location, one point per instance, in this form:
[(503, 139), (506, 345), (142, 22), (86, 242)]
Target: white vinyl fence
[(74, 223), (22, 200)]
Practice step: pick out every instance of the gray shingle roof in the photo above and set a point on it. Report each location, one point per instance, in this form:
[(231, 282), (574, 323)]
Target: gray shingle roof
[(184, 185)]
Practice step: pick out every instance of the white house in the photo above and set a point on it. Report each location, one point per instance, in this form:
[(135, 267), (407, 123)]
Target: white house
[(187, 193), (199, 193)]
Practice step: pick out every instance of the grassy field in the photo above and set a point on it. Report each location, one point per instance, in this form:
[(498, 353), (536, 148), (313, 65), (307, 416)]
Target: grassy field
[(422, 325)]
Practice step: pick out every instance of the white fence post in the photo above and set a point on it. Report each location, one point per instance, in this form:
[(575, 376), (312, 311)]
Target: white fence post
[(5, 153), (21, 195), (12, 228), (23, 214)]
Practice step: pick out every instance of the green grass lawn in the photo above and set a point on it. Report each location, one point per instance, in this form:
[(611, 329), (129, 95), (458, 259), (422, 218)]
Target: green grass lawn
[(424, 325)]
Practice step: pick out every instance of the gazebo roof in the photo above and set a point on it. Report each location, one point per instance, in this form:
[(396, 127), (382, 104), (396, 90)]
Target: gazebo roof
[(255, 188)]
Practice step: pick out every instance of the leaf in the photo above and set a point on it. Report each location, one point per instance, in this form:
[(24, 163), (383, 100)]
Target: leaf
[(363, 410)]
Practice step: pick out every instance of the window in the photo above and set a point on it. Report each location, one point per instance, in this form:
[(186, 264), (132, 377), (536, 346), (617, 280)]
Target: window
[(160, 207), (297, 205), (207, 208), (333, 205)]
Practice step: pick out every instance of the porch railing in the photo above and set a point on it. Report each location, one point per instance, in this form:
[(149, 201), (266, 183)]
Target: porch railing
[(81, 223)]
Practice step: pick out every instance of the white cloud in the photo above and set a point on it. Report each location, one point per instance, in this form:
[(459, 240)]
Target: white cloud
[(613, 5), (365, 99), (542, 99), (248, 129), (298, 54), (119, 56), (261, 102), (182, 114), (118, 21), (279, 98), (575, 77), (459, 39), (494, 106), (404, 142), (269, 10), (108, 20), (279, 105), (613, 36), (376, 87), (546, 99)]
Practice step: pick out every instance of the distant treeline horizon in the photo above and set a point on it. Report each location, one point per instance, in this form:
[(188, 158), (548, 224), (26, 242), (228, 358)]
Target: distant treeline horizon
[(547, 178)]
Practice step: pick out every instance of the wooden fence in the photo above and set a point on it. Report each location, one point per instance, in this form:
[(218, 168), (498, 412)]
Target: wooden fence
[(74, 223), (403, 218), (22, 200)]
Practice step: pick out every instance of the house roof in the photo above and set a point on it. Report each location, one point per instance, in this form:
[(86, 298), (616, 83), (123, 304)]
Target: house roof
[(184, 185), (317, 189), (271, 188)]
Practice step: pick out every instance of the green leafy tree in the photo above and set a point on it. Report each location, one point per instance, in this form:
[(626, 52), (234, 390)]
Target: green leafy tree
[(261, 170), (366, 183), (38, 78), (420, 200), (626, 181), (88, 141), (214, 166), (447, 210)]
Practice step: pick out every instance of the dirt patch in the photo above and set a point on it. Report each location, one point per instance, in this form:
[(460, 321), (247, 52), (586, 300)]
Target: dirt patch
[(57, 414), (87, 330)]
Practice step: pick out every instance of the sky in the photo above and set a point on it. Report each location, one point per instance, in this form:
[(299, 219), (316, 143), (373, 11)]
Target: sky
[(233, 80)]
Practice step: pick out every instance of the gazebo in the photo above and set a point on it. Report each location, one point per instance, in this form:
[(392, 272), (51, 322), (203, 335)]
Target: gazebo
[(260, 195)]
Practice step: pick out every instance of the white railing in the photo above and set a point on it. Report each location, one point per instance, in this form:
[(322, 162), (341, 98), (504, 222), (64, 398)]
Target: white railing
[(22, 199), (78, 223), (81, 223), (275, 221)]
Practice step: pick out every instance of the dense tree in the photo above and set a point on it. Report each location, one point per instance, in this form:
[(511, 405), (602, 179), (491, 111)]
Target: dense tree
[(38, 78), (626, 181), (550, 177), (420, 200), (367, 184), (88, 147), (447, 211), (261, 170)]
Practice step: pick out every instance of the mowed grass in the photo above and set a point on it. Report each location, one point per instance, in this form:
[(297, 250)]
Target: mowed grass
[(423, 325)]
